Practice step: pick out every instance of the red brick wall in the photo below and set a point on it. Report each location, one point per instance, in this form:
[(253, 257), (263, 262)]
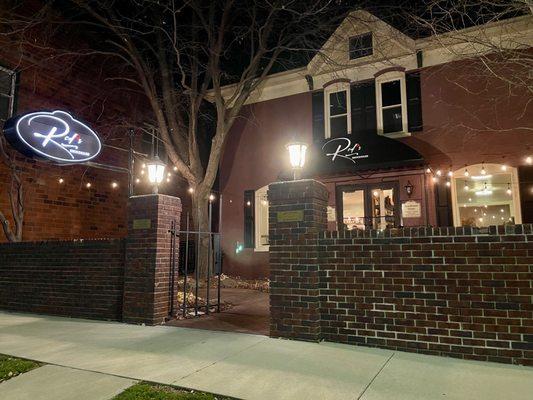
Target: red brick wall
[(460, 292), (255, 156), (71, 278), (444, 291), (77, 85)]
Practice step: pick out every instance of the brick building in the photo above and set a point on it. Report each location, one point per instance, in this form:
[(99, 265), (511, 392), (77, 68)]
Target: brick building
[(74, 201), (403, 133)]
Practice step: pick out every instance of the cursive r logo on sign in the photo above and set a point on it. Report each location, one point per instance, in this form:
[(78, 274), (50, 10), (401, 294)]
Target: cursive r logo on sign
[(345, 149)]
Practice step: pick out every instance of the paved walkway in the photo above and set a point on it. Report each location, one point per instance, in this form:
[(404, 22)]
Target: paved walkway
[(250, 313), (252, 366)]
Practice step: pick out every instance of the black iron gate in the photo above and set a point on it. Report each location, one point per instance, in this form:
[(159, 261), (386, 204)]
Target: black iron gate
[(188, 249)]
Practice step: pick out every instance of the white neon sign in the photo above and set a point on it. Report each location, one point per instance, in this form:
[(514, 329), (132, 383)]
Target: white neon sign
[(55, 136), (345, 149)]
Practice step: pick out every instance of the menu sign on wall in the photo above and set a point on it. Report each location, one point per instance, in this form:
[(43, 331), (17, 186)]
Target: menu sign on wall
[(411, 209), (55, 136)]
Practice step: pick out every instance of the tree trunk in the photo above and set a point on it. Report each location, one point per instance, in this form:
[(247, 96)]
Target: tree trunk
[(200, 214)]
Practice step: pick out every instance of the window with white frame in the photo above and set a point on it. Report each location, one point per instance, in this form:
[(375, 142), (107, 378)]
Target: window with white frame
[(391, 104), (7, 93), (337, 110), (486, 194), (261, 219)]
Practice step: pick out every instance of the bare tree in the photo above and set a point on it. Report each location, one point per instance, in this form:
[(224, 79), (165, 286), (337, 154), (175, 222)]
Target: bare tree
[(184, 53), (15, 195), (478, 29)]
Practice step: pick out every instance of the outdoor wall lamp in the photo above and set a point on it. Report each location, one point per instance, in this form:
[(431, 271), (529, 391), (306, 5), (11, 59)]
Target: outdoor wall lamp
[(409, 188), (297, 157), (156, 172)]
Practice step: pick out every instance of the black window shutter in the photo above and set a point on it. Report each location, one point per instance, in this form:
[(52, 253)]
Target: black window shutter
[(318, 116), (443, 202), (414, 102), (363, 103), (249, 218), (525, 177)]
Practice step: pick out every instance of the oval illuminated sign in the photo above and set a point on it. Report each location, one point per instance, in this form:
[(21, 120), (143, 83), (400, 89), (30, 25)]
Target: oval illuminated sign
[(55, 136)]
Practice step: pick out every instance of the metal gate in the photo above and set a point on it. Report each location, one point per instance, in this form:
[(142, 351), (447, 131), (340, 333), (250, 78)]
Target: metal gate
[(186, 248)]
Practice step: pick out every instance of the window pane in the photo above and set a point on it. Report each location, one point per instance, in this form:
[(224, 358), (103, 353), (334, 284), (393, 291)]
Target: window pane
[(6, 81), (4, 108), (337, 103), (392, 120), (360, 46), (338, 126), (484, 200), (353, 210), (383, 208), (391, 93)]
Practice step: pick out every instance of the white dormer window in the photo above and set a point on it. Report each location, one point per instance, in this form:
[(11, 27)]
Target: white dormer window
[(391, 104), (360, 46), (337, 110)]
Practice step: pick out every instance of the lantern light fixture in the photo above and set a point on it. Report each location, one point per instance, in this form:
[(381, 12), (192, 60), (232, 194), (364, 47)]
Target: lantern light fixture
[(156, 172), (297, 152), (409, 188)]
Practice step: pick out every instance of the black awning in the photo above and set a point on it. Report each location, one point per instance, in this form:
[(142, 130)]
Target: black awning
[(353, 153)]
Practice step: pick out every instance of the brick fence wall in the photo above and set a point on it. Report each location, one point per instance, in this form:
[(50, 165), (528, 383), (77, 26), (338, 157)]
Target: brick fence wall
[(72, 278), (447, 291), (444, 291)]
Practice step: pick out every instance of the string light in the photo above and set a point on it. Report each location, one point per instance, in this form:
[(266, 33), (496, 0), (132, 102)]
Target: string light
[(169, 174), (504, 167), (168, 179), (137, 180), (529, 160), (142, 172), (435, 179), (483, 172), (466, 186), (144, 165), (175, 169), (428, 170), (114, 185), (450, 172), (211, 197), (248, 203), (467, 174), (61, 180), (439, 172), (191, 190), (88, 185), (448, 183), (509, 191)]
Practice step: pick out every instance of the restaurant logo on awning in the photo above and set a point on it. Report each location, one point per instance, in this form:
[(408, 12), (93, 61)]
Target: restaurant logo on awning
[(344, 149), (55, 136)]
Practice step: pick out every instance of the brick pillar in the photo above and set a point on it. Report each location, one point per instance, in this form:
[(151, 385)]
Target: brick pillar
[(147, 272), (297, 213)]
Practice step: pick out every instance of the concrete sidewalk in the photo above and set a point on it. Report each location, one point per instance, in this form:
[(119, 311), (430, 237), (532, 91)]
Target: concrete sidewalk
[(255, 367)]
